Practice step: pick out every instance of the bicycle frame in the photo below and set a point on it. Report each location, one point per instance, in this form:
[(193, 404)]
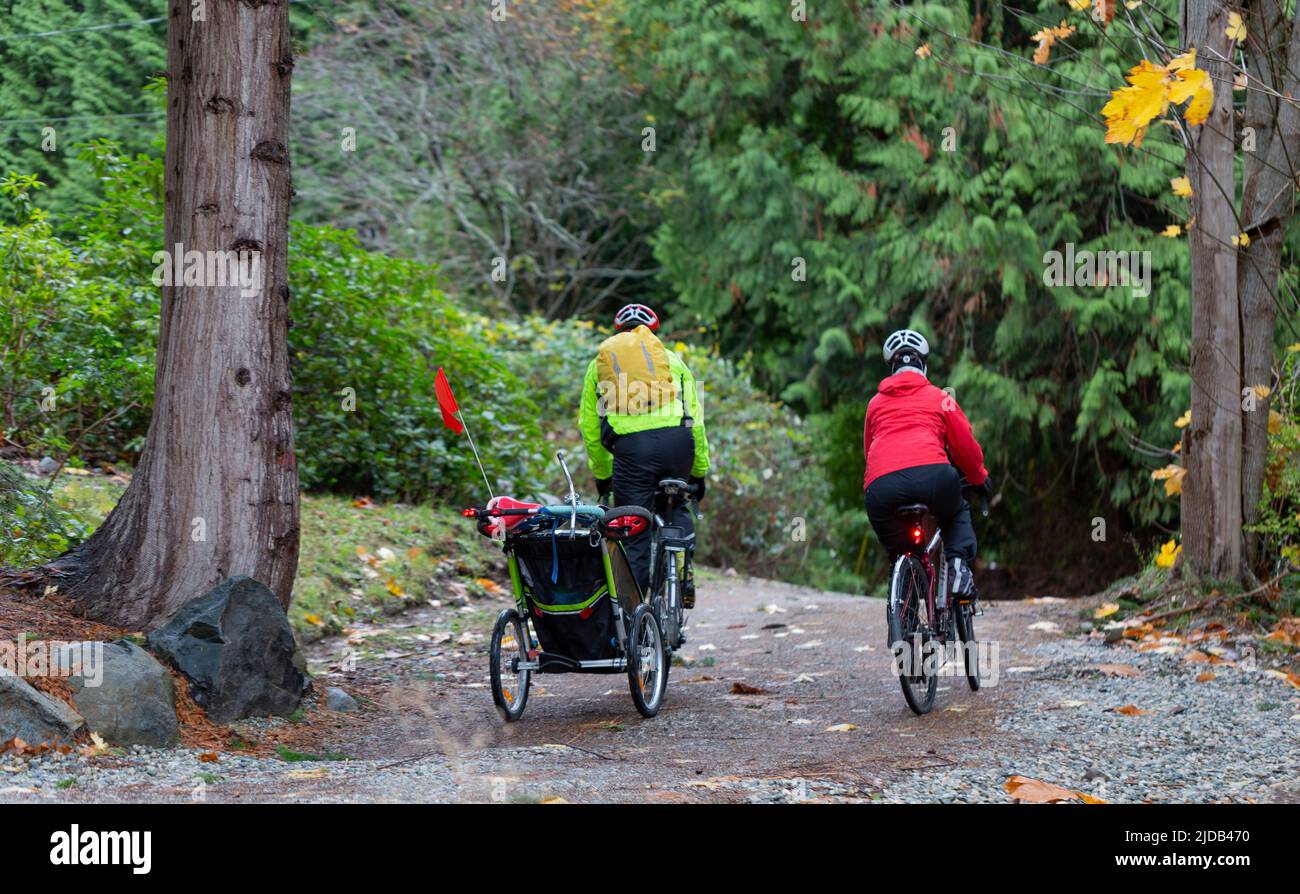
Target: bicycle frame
[(665, 550), (936, 573)]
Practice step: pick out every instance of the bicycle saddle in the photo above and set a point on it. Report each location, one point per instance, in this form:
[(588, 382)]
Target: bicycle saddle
[(671, 485), (912, 509)]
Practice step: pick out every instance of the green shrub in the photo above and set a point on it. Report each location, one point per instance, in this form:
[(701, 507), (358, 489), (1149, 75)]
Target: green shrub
[(1279, 519), (80, 316), (33, 527), (381, 327)]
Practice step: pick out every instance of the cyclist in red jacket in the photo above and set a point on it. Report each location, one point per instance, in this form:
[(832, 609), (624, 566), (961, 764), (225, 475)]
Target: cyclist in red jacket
[(918, 445)]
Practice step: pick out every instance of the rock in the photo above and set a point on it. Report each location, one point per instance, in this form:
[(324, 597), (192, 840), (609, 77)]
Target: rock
[(338, 700), (235, 646), (47, 466), (130, 699), (33, 716)]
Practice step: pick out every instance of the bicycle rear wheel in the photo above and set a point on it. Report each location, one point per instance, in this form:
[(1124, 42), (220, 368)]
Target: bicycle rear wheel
[(969, 646), (910, 628)]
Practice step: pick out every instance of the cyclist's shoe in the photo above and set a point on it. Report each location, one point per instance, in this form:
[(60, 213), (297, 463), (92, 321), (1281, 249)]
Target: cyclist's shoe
[(688, 594)]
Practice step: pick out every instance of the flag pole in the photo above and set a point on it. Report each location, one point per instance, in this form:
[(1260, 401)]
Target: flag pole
[(477, 459)]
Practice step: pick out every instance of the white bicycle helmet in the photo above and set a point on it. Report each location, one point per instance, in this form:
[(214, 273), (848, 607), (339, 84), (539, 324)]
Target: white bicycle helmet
[(632, 315), (905, 339)]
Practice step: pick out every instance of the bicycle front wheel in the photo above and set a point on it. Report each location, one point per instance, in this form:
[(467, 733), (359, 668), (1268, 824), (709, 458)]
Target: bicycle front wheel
[(969, 646)]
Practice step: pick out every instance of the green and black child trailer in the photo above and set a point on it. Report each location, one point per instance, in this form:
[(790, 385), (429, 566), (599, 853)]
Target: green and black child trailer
[(577, 608)]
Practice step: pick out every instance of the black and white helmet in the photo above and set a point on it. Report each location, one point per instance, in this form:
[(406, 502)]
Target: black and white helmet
[(906, 340)]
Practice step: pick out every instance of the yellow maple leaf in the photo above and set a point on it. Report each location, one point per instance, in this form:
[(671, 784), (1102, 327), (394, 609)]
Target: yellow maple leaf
[(1172, 476), (313, 620), (1151, 89), (1168, 553), (392, 586), (1291, 349), (923, 51), (1080, 5), (1181, 186), (1236, 29), (1261, 391), (1134, 107), (1173, 231), (1132, 4), (1184, 420), (1106, 610)]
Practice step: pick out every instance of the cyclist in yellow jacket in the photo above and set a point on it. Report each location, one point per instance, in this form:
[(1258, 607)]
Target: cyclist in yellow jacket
[(631, 452)]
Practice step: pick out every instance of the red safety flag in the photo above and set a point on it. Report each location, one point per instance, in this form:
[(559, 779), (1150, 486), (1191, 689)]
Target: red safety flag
[(447, 402)]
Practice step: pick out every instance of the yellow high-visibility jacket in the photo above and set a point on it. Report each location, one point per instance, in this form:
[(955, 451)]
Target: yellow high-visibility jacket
[(600, 460)]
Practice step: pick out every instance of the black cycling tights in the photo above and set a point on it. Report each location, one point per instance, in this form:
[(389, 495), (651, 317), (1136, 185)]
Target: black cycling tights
[(641, 461), (939, 487)]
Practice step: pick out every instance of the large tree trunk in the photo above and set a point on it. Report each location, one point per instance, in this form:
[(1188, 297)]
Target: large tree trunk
[(1212, 444), (216, 489), (1267, 205)]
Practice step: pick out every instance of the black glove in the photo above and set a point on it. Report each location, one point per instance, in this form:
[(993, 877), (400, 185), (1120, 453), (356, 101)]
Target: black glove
[(604, 487), (700, 487)]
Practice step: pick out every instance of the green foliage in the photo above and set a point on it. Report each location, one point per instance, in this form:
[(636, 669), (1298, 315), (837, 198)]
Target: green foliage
[(380, 327), (81, 83), (916, 192), (80, 316), (76, 359), (32, 526), (1279, 506)]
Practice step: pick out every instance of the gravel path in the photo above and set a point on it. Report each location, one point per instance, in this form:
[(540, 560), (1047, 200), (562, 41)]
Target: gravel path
[(828, 721)]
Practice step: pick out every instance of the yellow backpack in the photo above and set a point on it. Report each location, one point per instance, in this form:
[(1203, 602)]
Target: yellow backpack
[(633, 377)]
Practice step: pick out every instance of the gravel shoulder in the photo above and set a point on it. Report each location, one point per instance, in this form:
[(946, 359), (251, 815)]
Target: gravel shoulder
[(827, 723)]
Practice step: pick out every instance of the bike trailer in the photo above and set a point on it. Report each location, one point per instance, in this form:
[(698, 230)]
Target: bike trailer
[(578, 608)]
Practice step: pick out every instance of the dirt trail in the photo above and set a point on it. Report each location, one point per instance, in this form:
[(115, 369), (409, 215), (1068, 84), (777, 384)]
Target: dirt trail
[(1128, 721), (818, 658)]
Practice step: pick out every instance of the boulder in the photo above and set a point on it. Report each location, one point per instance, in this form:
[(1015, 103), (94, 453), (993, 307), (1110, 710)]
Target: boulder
[(338, 700), (130, 699), (31, 715), (235, 646)]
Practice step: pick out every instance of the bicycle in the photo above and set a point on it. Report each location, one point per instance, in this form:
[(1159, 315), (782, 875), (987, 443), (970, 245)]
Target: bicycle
[(921, 626), (671, 551)]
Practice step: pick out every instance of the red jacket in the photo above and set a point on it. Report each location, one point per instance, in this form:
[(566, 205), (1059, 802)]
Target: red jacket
[(912, 423)]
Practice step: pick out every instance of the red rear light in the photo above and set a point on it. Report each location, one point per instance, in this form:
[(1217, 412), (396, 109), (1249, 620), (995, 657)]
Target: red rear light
[(469, 513), (917, 534)]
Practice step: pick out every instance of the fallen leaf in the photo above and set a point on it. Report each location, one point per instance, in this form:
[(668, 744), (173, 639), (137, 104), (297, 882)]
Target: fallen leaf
[(208, 757), (1131, 711), (1036, 791), (743, 689), (1206, 676), (313, 773), (1106, 610), (1117, 670), (841, 728)]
